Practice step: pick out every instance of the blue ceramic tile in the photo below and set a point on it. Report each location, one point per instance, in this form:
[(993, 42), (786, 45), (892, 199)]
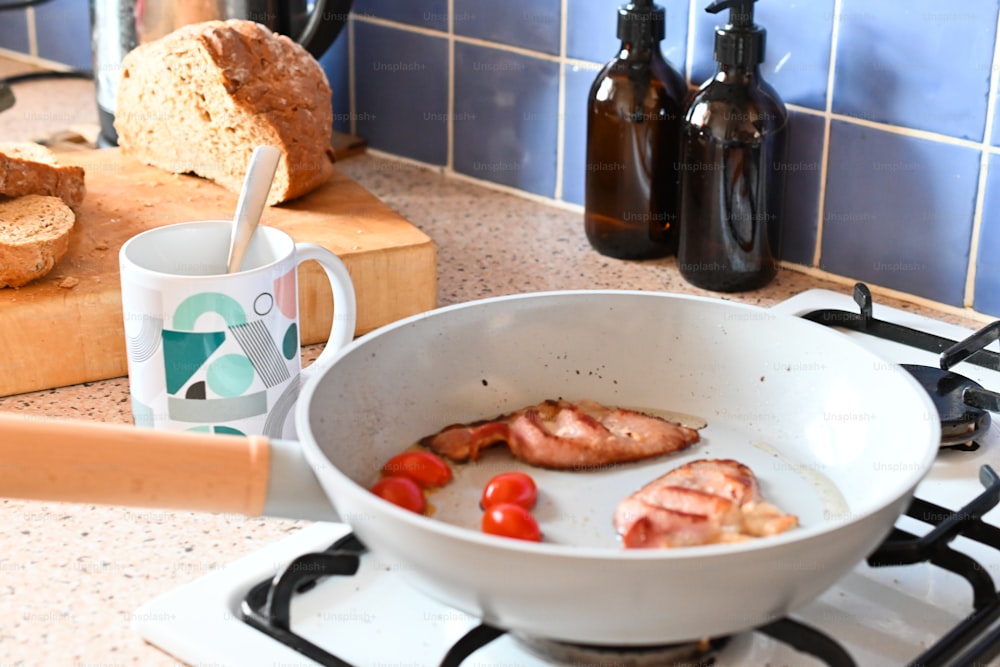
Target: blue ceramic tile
[(14, 31), (922, 64), (62, 28), (797, 60), (995, 139), (987, 294), (531, 24), (802, 187), (899, 211), (578, 82), (401, 88), (336, 64), (507, 114), (591, 31), (431, 14)]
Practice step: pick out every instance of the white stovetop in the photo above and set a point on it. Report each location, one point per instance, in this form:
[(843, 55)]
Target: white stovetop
[(883, 616)]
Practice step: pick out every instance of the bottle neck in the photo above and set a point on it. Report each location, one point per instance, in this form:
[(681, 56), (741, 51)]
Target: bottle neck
[(640, 50), (737, 73)]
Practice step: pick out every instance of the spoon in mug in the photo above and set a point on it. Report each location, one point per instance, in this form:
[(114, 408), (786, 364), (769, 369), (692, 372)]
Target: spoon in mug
[(253, 196)]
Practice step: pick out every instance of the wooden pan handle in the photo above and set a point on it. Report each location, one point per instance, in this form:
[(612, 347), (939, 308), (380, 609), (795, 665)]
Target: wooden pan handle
[(116, 464)]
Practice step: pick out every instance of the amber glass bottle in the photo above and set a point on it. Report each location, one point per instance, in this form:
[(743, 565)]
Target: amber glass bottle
[(733, 153), (633, 131)]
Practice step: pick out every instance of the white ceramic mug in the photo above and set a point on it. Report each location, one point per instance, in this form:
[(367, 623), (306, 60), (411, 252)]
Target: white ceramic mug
[(217, 352)]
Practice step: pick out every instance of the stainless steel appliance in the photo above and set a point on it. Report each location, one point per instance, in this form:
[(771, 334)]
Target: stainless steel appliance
[(118, 26)]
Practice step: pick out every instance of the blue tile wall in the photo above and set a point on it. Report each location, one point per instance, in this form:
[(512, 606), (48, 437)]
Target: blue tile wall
[(893, 175), (530, 24), (506, 118), (797, 61), (903, 213), (64, 32), (803, 184), (591, 31), (431, 14), (401, 89), (987, 283), (930, 71), (579, 79), (14, 31), (335, 64)]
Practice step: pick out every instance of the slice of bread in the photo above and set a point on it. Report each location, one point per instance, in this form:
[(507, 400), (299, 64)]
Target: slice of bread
[(32, 169), (34, 235), (200, 99)]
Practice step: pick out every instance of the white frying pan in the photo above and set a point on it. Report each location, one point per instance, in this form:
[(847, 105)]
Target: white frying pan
[(834, 434)]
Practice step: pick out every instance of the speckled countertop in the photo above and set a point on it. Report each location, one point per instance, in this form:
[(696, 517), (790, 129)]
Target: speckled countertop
[(71, 576)]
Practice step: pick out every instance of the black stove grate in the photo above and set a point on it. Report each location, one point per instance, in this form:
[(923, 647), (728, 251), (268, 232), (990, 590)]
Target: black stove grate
[(974, 641), (865, 322), (971, 643)]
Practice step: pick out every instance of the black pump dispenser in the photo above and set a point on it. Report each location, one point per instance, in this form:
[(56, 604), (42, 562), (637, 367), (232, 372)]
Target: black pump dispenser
[(631, 200), (740, 42), (733, 150), (642, 23)]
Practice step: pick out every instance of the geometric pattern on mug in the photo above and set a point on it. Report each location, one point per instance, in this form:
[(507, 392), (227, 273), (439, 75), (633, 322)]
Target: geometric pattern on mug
[(213, 410), (284, 294), (142, 339), (193, 307), (274, 425), (256, 342), (143, 345), (185, 352)]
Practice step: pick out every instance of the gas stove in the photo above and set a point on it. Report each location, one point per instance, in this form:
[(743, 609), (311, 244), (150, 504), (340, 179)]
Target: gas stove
[(932, 581)]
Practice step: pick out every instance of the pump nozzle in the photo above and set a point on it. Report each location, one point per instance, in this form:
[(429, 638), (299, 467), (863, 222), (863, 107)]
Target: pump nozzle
[(740, 42), (740, 11), (641, 22)]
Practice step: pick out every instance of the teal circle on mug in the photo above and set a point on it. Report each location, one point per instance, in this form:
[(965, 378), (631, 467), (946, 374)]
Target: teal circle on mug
[(290, 344), (230, 375)]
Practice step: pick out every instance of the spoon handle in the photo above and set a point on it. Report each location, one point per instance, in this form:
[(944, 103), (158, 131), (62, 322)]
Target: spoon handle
[(253, 196)]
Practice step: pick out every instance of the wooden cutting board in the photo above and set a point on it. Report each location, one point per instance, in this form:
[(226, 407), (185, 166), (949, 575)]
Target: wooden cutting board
[(67, 327)]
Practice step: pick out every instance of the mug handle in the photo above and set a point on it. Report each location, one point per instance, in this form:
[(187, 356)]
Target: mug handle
[(345, 307)]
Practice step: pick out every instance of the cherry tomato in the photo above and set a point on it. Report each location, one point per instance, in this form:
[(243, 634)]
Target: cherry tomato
[(426, 469), (401, 491), (510, 487), (510, 520)]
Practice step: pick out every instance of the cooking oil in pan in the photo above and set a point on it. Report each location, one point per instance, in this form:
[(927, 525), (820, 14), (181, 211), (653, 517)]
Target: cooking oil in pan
[(576, 507)]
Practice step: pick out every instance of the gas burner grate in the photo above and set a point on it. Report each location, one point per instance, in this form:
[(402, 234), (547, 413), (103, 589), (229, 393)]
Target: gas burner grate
[(964, 406), (864, 322), (267, 606)]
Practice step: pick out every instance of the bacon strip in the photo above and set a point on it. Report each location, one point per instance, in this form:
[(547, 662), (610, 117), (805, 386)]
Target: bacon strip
[(702, 502), (566, 436)]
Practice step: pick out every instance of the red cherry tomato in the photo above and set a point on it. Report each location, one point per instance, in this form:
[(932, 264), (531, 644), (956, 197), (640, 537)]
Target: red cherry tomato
[(426, 469), (401, 491), (510, 487), (509, 520)]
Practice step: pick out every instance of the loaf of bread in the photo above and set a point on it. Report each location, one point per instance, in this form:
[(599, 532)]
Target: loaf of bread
[(32, 169), (34, 235), (200, 99)]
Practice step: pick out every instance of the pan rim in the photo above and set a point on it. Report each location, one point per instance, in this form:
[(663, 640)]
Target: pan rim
[(904, 484)]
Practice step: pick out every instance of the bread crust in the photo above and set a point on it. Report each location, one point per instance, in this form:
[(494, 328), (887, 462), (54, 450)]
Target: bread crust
[(27, 169), (34, 236), (200, 99)]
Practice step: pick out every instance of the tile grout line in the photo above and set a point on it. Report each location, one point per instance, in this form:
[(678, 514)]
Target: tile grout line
[(29, 17), (449, 157), (689, 47), (561, 101), (352, 94), (824, 163), (969, 297)]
